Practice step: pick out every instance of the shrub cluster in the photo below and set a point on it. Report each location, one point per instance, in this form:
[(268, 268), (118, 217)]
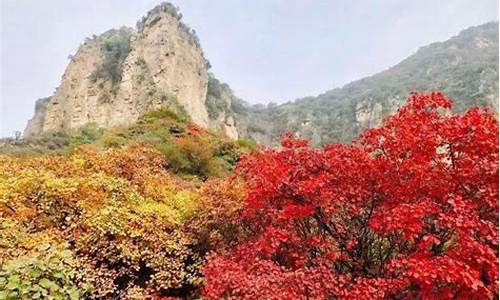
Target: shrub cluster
[(121, 214), (408, 211)]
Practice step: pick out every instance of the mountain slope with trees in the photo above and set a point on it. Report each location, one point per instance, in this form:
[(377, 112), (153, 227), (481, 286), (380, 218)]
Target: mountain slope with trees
[(465, 67)]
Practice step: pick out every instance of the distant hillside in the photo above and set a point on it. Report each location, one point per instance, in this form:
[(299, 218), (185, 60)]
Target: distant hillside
[(465, 67)]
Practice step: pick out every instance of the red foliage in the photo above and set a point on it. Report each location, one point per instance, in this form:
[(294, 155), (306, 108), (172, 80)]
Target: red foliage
[(409, 210)]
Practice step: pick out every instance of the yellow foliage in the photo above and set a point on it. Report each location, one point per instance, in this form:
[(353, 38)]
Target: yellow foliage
[(118, 207), (130, 222)]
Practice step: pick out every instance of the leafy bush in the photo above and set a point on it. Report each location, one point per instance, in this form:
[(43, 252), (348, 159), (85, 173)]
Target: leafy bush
[(193, 156), (408, 211), (48, 273), (54, 142), (86, 134), (121, 210), (189, 150), (160, 114), (247, 144), (112, 141)]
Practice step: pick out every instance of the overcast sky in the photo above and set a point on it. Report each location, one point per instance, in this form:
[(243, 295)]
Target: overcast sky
[(266, 50)]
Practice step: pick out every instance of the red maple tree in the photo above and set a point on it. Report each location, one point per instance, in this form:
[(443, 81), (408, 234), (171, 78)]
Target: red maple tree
[(409, 210)]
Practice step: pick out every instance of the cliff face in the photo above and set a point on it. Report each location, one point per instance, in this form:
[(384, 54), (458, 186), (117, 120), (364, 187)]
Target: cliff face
[(73, 103), (118, 76), (220, 98), (39, 118)]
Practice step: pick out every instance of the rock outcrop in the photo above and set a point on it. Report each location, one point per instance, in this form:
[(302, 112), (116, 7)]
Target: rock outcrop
[(220, 99), (39, 117), (118, 76)]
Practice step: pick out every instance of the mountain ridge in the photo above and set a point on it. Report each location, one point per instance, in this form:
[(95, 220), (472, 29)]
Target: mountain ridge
[(124, 73), (465, 67)]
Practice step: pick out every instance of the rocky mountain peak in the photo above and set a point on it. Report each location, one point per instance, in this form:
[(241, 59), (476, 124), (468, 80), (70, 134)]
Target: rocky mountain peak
[(123, 73)]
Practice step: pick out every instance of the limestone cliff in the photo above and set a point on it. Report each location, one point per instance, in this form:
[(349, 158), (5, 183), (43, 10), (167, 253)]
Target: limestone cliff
[(118, 76), (39, 118)]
